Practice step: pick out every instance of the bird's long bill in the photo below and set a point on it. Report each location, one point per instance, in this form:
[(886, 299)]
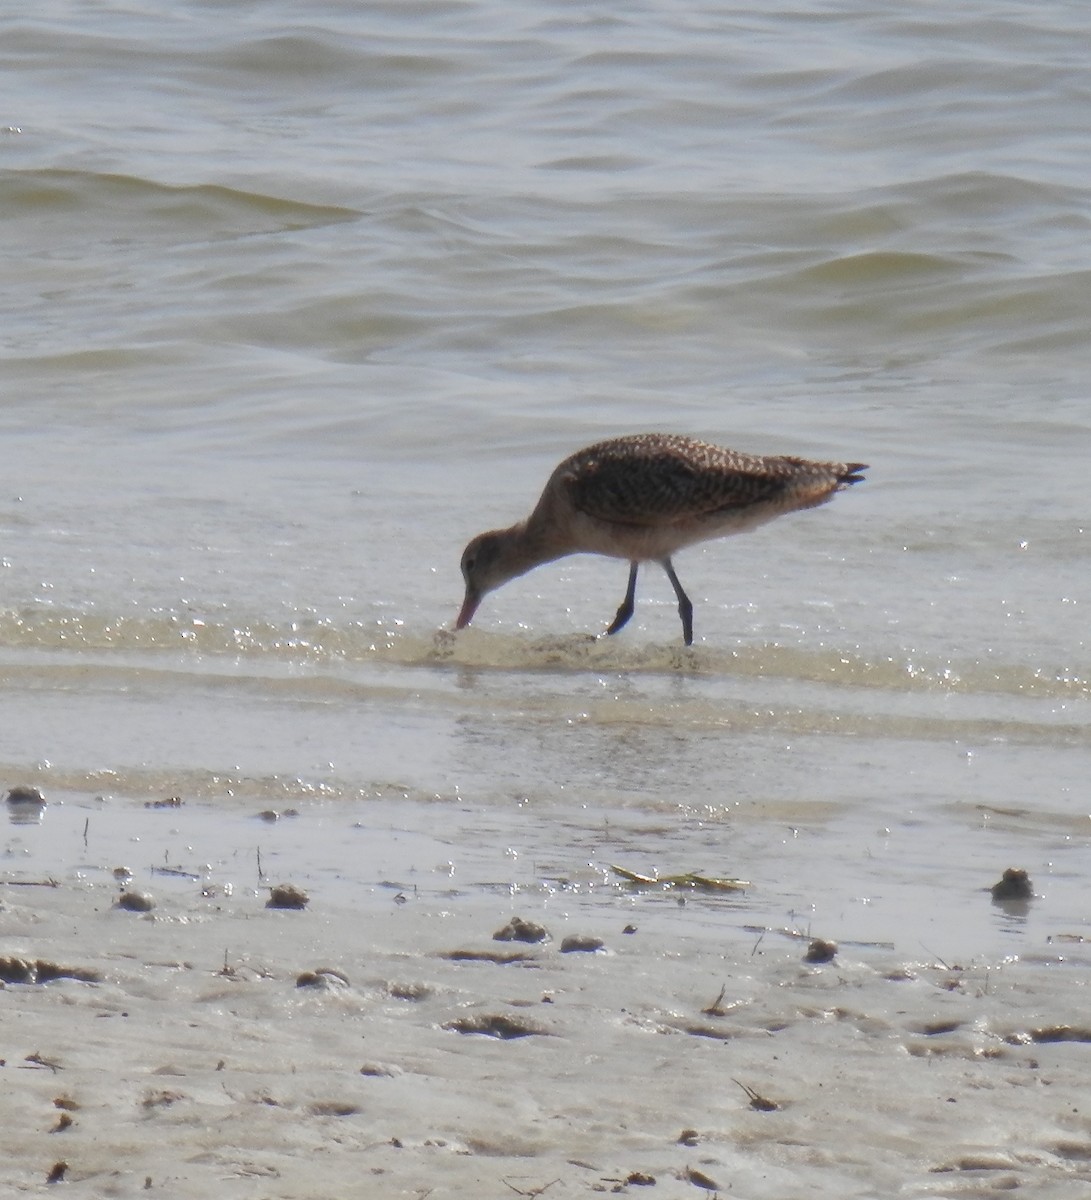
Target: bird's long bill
[(466, 612)]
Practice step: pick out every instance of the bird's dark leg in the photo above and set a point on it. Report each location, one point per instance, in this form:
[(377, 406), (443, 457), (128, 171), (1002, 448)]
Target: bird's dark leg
[(685, 607), (625, 611)]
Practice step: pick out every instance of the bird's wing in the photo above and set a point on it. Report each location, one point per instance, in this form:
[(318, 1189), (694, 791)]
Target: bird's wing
[(664, 486)]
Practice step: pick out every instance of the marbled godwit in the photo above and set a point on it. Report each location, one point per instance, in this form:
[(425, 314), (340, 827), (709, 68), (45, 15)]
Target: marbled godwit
[(642, 498)]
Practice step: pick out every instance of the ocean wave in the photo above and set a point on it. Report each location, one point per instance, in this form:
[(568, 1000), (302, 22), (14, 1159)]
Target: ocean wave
[(76, 199), (198, 644)]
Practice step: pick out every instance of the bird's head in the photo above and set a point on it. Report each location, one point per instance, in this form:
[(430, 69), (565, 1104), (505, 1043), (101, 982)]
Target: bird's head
[(487, 562)]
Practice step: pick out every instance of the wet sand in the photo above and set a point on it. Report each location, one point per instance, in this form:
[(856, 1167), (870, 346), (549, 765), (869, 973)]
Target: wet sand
[(420, 1056)]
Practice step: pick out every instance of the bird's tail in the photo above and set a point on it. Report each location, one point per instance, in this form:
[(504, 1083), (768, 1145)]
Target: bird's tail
[(851, 473)]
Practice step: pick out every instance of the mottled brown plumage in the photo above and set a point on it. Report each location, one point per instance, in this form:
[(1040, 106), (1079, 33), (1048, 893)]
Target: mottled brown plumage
[(642, 498)]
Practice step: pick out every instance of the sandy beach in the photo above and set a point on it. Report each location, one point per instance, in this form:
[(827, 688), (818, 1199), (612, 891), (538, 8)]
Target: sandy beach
[(380, 1041)]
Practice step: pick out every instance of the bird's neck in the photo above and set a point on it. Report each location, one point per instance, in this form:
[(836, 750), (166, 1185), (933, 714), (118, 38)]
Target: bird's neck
[(530, 543)]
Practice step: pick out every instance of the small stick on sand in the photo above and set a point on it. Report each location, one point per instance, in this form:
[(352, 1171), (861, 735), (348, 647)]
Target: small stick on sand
[(533, 1191), (757, 1101), (715, 1009), (37, 1060)]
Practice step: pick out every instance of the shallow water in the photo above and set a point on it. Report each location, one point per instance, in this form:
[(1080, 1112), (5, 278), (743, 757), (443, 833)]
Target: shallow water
[(297, 302)]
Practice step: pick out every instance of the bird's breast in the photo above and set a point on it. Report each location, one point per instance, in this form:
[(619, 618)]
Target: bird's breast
[(659, 540)]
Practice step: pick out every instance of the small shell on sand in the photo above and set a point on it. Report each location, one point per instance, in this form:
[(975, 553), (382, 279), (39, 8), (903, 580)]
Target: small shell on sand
[(497, 1025), (501, 957), (581, 942), (1014, 884), (378, 1070), (323, 977), (333, 1108), (520, 930), (26, 806), (820, 951), (29, 796), (17, 970), (287, 895), (169, 802)]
